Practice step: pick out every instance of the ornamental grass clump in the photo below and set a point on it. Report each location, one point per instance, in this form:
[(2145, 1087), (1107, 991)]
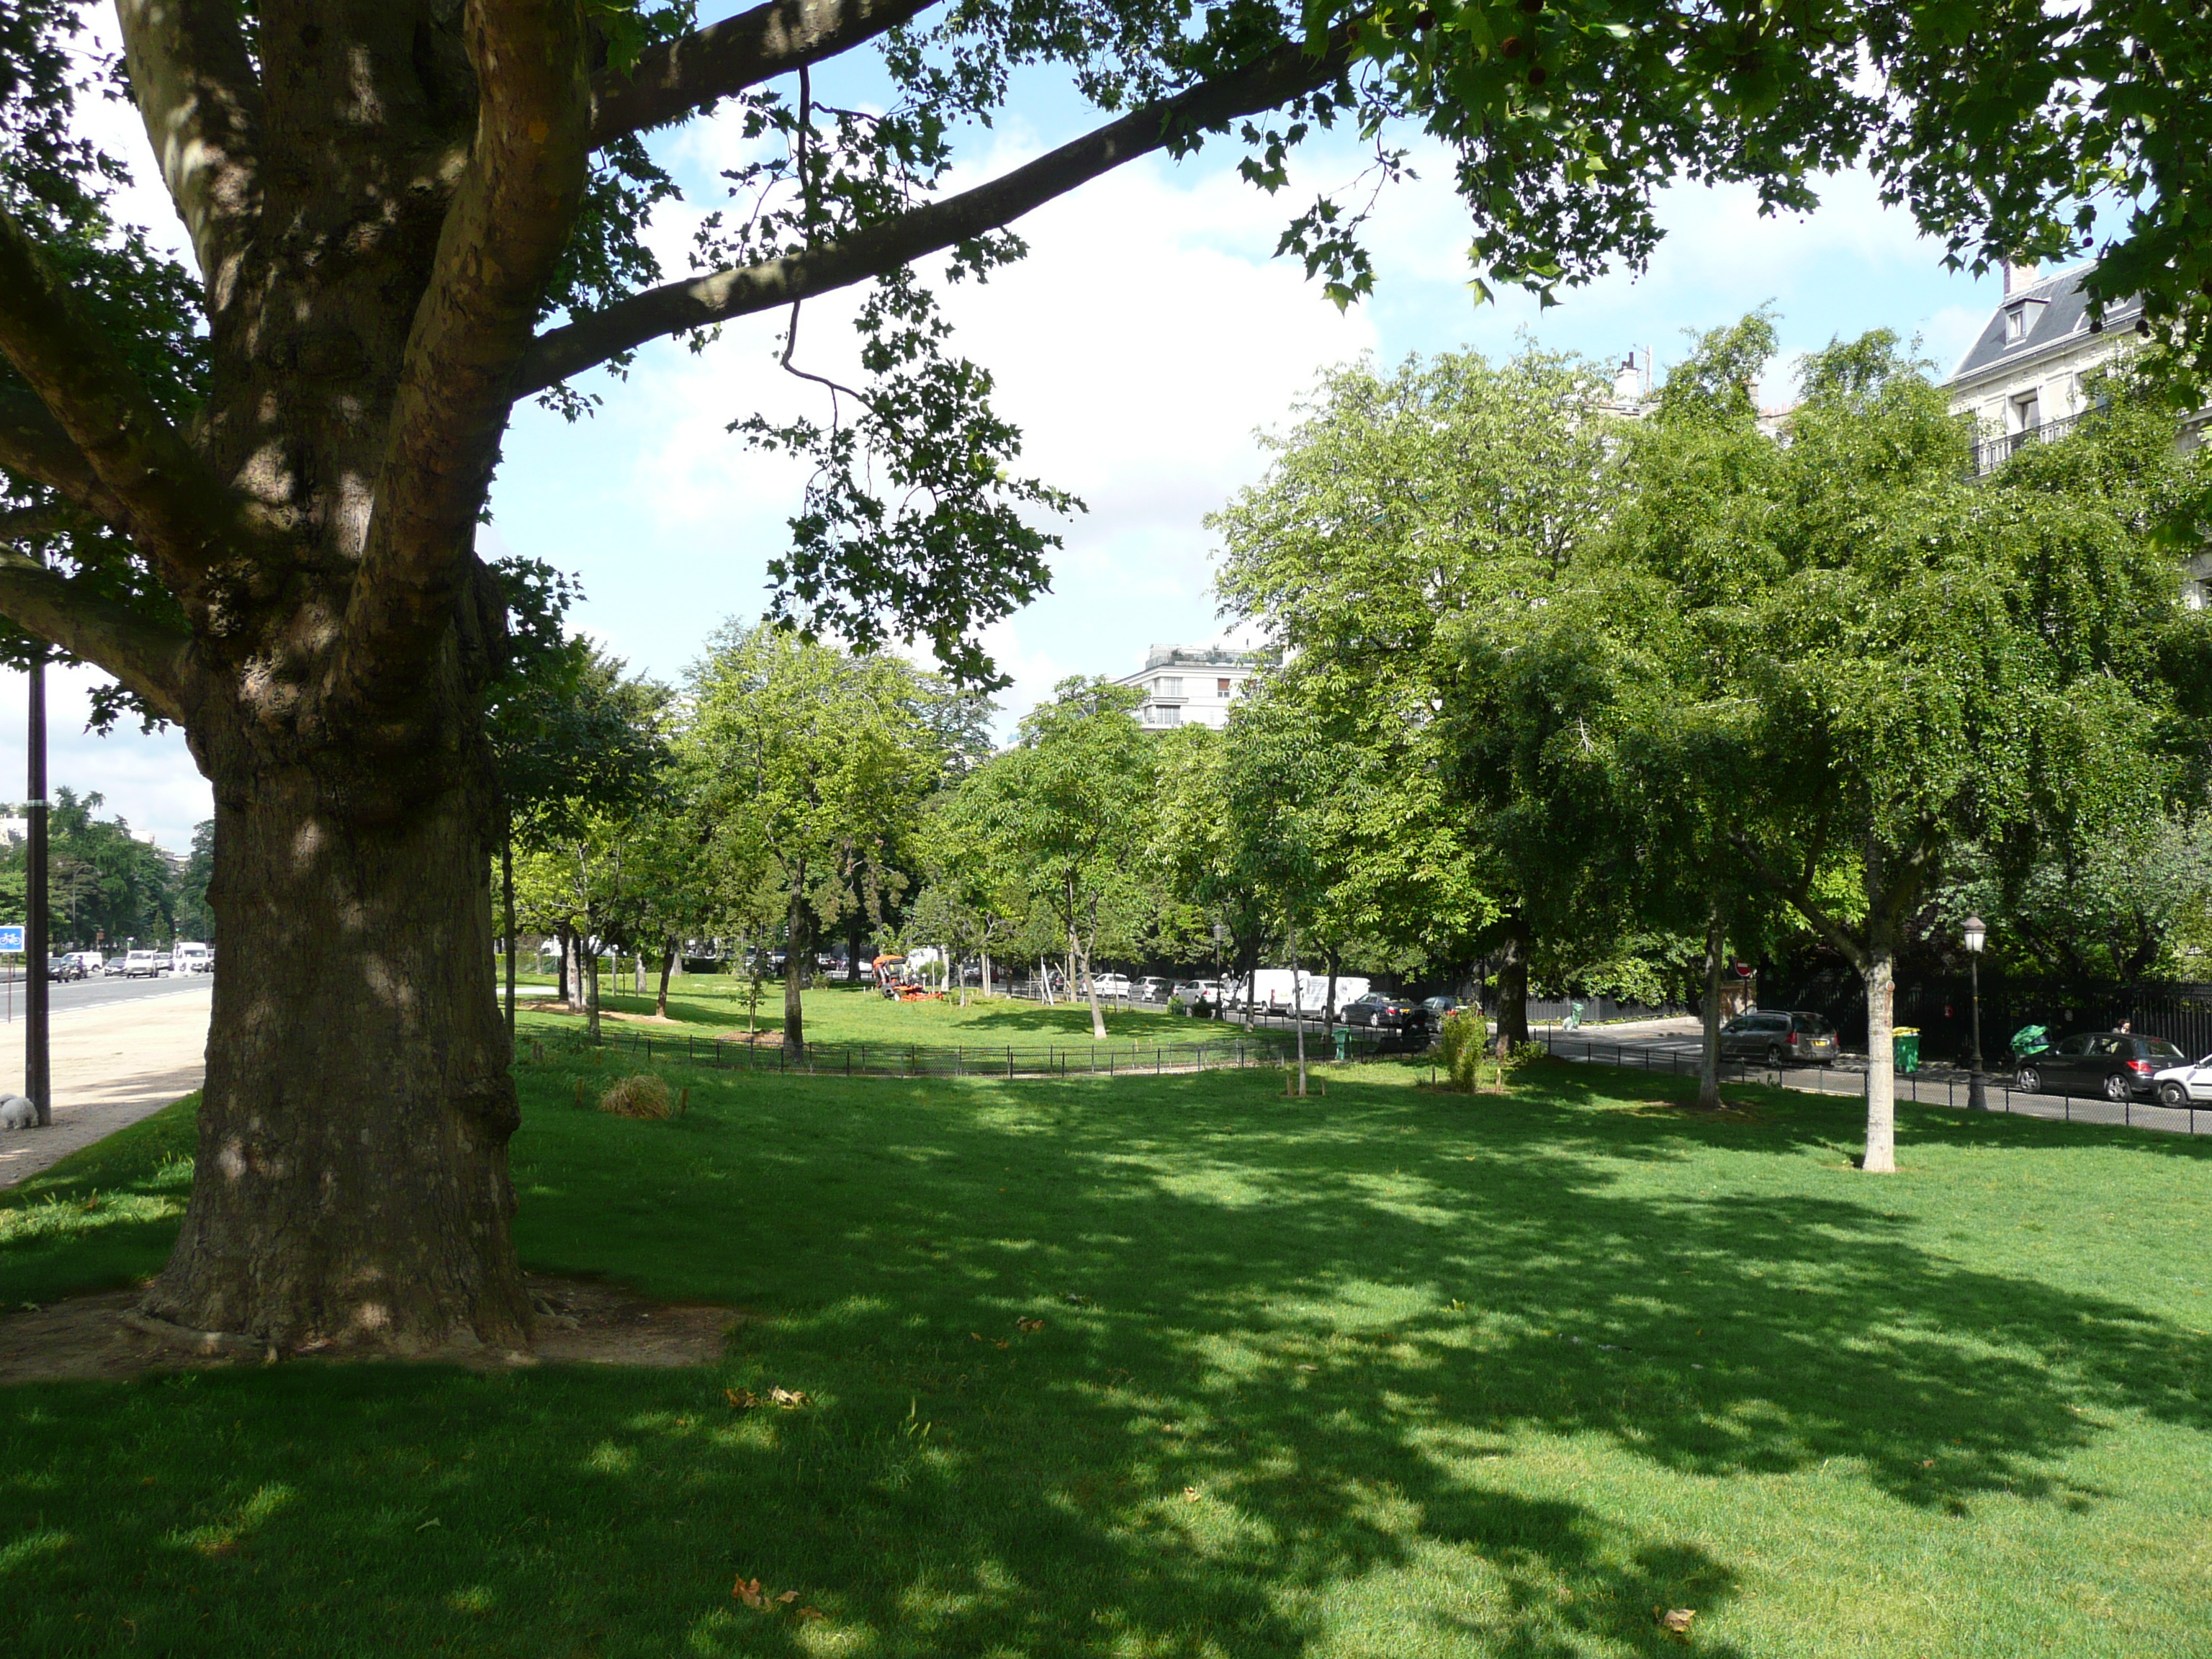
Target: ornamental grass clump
[(642, 1096), (1466, 1035)]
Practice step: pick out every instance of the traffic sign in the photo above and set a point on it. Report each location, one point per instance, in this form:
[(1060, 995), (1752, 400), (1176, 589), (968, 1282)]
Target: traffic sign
[(11, 941)]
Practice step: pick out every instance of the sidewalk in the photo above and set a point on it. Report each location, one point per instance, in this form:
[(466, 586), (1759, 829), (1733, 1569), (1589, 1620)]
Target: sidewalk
[(113, 1065)]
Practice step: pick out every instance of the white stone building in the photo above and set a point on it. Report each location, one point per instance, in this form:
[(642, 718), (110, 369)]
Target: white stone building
[(1189, 685), (2023, 379)]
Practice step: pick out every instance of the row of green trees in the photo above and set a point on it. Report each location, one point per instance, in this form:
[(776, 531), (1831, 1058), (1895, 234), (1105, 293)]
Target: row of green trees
[(1565, 689), (1596, 700), (105, 885)]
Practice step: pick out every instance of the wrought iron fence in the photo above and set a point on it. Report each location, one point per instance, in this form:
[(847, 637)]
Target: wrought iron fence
[(1951, 1089), (896, 1059)]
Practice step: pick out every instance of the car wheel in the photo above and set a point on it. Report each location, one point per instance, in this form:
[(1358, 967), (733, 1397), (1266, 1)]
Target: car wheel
[(2115, 1088), (2172, 1094), (1774, 1055), (2031, 1080)]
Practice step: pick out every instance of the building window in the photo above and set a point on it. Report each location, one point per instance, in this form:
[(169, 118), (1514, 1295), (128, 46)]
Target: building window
[(1168, 685), (2027, 412), (2015, 322), (1221, 689), (1170, 714)]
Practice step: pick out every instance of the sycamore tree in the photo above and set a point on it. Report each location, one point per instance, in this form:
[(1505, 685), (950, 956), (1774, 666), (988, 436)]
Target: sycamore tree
[(247, 487)]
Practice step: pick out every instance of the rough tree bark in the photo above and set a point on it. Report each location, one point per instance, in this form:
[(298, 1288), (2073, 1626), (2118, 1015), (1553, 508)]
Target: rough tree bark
[(667, 968), (1513, 986), (797, 958), (1708, 1047), (378, 197)]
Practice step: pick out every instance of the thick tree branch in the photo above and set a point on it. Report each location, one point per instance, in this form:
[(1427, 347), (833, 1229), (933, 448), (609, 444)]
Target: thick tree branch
[(172, 507), (510, 219), (673, 81), (202, 106), (1798, 897), (147, 657), (32, 443), (1281, 76)]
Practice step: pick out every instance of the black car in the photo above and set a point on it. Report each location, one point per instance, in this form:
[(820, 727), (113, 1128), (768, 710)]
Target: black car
[(1774, 1037), (1386, 1012), (2117, 1065), (64, 968)]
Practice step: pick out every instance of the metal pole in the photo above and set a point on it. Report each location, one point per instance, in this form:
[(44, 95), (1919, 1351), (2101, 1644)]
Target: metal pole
[(1976, 1100), (38, 1075)]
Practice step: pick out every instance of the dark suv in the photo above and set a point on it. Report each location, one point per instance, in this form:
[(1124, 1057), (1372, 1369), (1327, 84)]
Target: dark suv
[(1778, 1038), (2117, 1065)]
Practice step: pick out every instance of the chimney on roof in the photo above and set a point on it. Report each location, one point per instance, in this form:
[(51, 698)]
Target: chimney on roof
[(2017, 277), (1628, 382)]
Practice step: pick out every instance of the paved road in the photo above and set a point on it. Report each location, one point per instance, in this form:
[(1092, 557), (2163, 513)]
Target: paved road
[(71, 995), (115, 1061)]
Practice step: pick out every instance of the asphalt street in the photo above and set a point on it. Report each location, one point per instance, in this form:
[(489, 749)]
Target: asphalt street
[(98, 993)]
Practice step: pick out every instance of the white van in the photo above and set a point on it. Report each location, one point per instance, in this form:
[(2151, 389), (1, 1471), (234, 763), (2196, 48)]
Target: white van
[(189, 957), (91, 961)]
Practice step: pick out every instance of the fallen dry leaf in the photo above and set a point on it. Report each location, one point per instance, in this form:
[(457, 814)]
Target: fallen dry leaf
[(747, 1590), (742, 1399), (1190, 1494), (1675, 1621), (788, 1597), (1029, 1324), (791, 1400), (813, 1613)]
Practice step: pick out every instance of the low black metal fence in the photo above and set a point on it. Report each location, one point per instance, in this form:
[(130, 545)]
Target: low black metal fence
[(1950, 1088), (895, 1060)]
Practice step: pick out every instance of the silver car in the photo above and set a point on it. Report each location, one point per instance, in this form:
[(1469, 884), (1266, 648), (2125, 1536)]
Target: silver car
[(2185, 1086)]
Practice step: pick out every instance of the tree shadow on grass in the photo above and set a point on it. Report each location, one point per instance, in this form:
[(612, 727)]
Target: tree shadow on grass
[(1292, 1355)]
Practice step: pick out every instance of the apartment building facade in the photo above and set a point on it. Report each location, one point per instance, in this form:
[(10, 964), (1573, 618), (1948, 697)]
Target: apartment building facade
[(1189, 685), (2026, 378)]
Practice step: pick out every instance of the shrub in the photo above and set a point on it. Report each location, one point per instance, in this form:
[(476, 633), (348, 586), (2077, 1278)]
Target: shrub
[(1466, 1034), (643, 1095)]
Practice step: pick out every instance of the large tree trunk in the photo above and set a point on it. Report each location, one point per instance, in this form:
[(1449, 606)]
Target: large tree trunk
[(351, 1178), (1081, 959), (1513, 987), (667, 967), (507, 913), (1709, 1048)]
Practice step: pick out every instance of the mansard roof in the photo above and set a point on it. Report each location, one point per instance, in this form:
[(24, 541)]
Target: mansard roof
[(2058, 312)]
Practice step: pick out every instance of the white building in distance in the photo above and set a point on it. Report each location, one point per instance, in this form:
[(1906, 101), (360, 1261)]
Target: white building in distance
[(2022, 380), (1189, 685)]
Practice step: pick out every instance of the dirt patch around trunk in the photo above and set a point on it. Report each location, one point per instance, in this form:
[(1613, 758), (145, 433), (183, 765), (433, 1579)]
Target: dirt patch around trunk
[(580, 1323)]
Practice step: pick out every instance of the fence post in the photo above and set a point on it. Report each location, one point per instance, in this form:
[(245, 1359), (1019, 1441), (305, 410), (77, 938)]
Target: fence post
[(1010, 1062)]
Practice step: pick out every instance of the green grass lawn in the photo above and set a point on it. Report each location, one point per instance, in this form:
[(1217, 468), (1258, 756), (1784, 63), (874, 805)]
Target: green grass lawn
[(1386, 1373), (713, 1006)]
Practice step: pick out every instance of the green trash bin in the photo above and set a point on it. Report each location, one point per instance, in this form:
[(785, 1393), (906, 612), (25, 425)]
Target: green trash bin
[(1905, 1047), (1343, 1035)]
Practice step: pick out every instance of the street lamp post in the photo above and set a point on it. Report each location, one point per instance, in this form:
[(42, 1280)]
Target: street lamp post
[(1975, 931), (38, 1075)]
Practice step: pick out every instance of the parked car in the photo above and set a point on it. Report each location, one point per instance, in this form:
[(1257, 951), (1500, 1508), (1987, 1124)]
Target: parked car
[(2117, 1065), (63, 968), (1111, 984), (1150, 989), (1200, 998), (144, 964), (1386, 1011), (2183, 1084), (1778, 1037)]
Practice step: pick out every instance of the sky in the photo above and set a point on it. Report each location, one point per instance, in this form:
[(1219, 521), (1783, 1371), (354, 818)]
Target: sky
[(1145, 341)]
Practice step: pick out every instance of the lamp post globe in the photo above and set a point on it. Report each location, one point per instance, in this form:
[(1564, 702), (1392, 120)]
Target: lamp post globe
[(1977, 934)]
